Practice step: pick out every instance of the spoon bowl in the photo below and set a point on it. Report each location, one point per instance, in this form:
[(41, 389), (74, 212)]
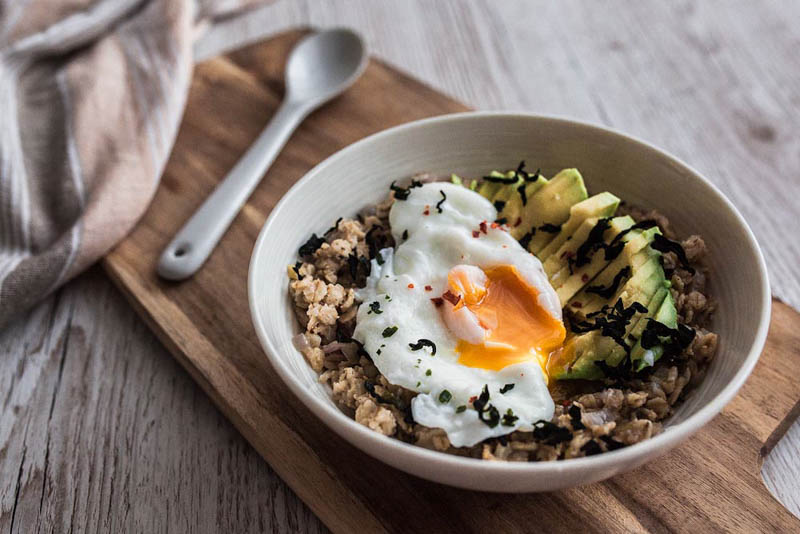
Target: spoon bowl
[(324, 64)]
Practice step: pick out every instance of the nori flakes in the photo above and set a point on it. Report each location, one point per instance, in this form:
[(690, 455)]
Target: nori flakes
[(591, 448), (550, 228), (487, 413), (662, 244), (575, 416), (423, 343), (550, 433), (310, 247), (608, 292), (525, 240), (439, 204), (401, 193)]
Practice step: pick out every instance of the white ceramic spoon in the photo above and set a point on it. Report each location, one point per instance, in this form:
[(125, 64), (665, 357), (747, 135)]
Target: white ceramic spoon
[(320, 67)]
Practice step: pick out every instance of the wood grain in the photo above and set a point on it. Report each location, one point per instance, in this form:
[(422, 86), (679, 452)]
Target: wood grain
[(100, 431), (205, 323)]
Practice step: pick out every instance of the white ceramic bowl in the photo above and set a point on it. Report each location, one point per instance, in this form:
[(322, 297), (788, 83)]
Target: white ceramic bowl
[(471, 144)]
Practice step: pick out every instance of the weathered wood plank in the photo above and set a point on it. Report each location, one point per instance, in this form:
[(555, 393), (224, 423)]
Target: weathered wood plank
[(101, 431)]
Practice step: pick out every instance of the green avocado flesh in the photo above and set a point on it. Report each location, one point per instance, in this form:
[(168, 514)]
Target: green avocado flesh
[(600, 205), (667, 315), (541, 202), (568, 280), (592, 259)]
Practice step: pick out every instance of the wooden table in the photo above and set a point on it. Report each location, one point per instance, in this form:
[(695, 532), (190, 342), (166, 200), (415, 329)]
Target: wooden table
[(100, 430)]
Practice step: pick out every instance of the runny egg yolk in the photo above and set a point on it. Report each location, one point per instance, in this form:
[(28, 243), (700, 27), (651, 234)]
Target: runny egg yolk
[(516, 328)]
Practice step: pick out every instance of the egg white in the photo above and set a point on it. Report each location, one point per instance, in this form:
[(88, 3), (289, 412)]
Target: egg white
[(435, 243)]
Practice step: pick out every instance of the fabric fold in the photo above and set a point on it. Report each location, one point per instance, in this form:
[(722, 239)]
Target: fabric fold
[(91, 97)]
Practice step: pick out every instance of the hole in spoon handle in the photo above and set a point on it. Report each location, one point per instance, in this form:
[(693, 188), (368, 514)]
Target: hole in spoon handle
[(194, 243)]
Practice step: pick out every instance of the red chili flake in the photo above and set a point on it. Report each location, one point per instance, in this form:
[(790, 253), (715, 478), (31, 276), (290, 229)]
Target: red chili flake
[(451, 297), (565, 403), (518, 222), (426, 212), (428, 288), (567, 254), (482, 226), (494, 225), (473, 398), (576, 304), (505, 246), (410, 286), (475, 233), (437, 301), (585, 278)]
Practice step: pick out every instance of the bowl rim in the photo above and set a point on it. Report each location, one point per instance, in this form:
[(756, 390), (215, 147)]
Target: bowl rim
[(342, 424)]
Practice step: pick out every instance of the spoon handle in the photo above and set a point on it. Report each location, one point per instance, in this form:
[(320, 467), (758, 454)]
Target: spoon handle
[(193, 244)]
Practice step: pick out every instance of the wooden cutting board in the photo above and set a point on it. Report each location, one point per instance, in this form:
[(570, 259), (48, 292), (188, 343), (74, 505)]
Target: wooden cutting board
[(712, 482)]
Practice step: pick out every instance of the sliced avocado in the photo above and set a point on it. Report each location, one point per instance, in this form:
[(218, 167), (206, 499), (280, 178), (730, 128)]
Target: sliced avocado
[(489, 189), (561, 363), (634, 254), (545, 202), (550, 205), (560, 260), (652, 309), (585, 349), (567, 283), (637, 326), (600, 205), (667, 315), (507, 200), (514, 200), (515, 209), (511, 198), (643, 284), (456, 179), (553, 263)]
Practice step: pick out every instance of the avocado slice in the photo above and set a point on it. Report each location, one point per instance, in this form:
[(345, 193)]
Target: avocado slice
[(561, 363), (558, 262), (553, 263), (550, 205), (456, 179), (515, 199), (634, 254), (581, 351), (667, 315), (511, 199), (652, 309), (599, 205), (568, 282), (489, 189), (637, 326), (546, 202)]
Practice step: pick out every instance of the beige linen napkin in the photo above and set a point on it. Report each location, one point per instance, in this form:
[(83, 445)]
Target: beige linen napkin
[(91, 95)]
